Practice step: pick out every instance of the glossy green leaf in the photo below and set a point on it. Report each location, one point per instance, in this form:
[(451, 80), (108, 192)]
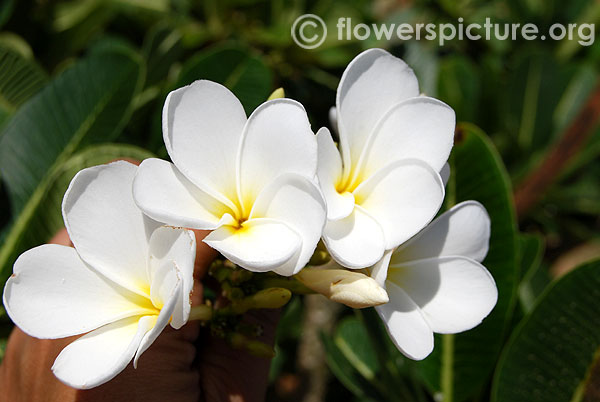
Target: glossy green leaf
[(244, 74), (534, 277), (353, 341), (42, 217), (459, 85), (90, 102), (461, 364), (549, 355), (20, 79), (162, 49), (346, 373)]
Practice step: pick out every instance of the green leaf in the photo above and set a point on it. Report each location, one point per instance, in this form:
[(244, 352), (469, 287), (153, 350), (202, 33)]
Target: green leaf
[(550, 354), (535, 278), (353, 341), (162, 49), (245, 75), (2, 348), (89, 102), (20, 79), (461, 364), (345, 372), (42, 216), (459, 85), (6, 10)]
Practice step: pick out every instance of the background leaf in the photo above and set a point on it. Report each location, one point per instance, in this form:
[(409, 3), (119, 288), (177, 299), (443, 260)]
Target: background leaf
[(20, 79), (551, 353)]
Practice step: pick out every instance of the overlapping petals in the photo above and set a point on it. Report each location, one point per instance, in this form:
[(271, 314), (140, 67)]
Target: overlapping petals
[(121, 285), (250, 181), (435, 281), (385, 187)]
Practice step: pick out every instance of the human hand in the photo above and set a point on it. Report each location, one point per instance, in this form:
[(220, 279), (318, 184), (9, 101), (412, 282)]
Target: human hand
[(182, 365)]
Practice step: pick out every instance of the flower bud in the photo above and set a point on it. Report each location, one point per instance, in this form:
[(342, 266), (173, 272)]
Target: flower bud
[(276, 94), (271, 298), (352, 288)]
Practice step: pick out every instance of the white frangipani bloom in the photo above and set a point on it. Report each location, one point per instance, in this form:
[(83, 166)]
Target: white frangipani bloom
[(124, 281), (435, 281), (385, 186), (251, 181)]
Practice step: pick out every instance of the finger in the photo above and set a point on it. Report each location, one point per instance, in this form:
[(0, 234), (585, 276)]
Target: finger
[(61, 237), (235, 375)]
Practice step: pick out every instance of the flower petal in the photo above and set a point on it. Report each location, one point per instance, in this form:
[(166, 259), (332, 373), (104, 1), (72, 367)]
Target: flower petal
[(277, 139), (445, 173), (405, 324), (356, 241), (296, 201), (164, 194), (329, 173), (108, 230), (259, 245), (100, 355), (380, 269), (403, 197), (168, 290), (172, 250), (454, 293), (372, 83), (463, 230), (202, 126), (418, 128), (54, 294)]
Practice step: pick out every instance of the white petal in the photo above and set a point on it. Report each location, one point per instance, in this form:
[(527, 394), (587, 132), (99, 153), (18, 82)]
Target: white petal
[(54, 294), (333, 119), (260, 245), (356, 241), (380, 269), (108, 230), (403, 197), (454, 293), (173, 250), (164, 194), (297, 202), (418, 128), (99, 356), (405, 324), (462, 230), (202, 126), (277, 139), (372, 83), (445, 173), (167, 290), (329, 173)]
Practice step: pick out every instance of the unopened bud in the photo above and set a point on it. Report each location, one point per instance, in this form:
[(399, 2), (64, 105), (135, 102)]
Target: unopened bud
[(271, 298), (278, 93), (352, 288)]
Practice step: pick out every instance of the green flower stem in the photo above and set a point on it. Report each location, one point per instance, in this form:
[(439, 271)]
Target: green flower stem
[(201, 313)]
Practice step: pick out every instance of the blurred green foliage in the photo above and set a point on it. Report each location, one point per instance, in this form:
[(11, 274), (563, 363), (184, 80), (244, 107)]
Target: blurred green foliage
[(83, 82)]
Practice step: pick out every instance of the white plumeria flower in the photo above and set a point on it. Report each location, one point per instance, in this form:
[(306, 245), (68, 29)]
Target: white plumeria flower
[(435, 281), (385, 187), (124, 281), (251, 181)]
